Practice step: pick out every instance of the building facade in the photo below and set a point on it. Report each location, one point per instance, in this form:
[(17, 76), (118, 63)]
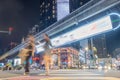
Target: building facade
[(65, 57), (48, 13), (55, 10), (75, 4), (100, 43)]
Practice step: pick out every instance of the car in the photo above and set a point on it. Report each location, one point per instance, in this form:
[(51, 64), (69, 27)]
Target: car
[(7, 66), (1, 66), (93, 67), (18, 67)]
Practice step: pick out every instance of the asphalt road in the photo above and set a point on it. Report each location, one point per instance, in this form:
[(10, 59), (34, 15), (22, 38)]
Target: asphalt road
[(62, 75)]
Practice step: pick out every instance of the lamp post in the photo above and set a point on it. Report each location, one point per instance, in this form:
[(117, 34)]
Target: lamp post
[(95, 55), (86, 49), (110, 60)]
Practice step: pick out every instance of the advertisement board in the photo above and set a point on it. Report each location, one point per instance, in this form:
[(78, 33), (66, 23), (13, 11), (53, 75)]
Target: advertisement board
[(85, 31), (94, 28)]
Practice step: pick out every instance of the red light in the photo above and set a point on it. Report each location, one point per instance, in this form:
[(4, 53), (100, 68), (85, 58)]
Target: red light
[(10, 29)]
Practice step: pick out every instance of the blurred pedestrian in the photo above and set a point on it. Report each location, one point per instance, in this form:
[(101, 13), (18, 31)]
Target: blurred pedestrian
[(47, 53), (27, 52)]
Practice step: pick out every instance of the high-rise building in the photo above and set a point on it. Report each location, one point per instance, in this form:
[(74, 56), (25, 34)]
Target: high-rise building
[(75, 4), (47, 13), (54, 10), (63, 8), (99, 42)]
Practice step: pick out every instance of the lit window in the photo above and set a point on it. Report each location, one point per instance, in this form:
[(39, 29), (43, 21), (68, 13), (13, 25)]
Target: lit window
[(81, 3), (53, 16), (48, 4), (53, 2), (46, 10), (53, 7), (43, 3), (53, 11), (48, 17)]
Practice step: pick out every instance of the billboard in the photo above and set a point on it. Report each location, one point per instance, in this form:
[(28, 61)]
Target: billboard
[(96, 27), (85, 31)]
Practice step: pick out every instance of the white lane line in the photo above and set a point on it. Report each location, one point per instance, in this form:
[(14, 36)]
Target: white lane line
[(72, 74), (13, 77), (85, 78)]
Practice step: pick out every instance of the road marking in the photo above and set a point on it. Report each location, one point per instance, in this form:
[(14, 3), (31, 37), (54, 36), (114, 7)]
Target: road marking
[(12, 77), (73, 74), (85, 78), (61, 78), (65, 75), (23, 78)]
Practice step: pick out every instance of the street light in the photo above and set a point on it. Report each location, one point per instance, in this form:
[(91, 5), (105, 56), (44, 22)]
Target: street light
[(110, 60), (86, 49)]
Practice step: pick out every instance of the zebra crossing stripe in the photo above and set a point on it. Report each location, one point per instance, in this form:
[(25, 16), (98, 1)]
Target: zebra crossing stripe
[(11, 77), (76, 78), (73, 74)]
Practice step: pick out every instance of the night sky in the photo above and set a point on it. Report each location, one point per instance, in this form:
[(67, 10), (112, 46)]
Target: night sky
[(19, 14), (113, 40)]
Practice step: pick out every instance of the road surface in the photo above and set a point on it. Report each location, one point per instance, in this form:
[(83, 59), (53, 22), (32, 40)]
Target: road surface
[(62, 75)]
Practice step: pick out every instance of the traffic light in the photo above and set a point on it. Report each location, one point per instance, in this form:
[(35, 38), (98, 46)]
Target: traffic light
[(10, 30)]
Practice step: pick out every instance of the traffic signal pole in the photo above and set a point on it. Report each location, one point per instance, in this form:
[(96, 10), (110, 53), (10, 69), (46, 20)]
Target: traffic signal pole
[(4, 31), (8, 32)]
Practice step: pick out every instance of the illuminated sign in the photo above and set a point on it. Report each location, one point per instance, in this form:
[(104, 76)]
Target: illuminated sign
[(85, 31), (96, 27), (17, 61)]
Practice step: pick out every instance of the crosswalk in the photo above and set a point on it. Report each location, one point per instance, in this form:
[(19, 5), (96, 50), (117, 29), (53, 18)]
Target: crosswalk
[(66, 75), (78, 75)]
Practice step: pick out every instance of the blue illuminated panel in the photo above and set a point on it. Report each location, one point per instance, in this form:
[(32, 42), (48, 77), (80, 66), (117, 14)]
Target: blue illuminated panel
[(62, 8)]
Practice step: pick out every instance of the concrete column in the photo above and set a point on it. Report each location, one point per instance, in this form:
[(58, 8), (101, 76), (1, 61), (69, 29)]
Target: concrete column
[(59, 60), (69, 60)]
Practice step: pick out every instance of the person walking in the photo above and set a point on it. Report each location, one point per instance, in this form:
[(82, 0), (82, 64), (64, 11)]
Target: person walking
[(27, 52), (47, 53)]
